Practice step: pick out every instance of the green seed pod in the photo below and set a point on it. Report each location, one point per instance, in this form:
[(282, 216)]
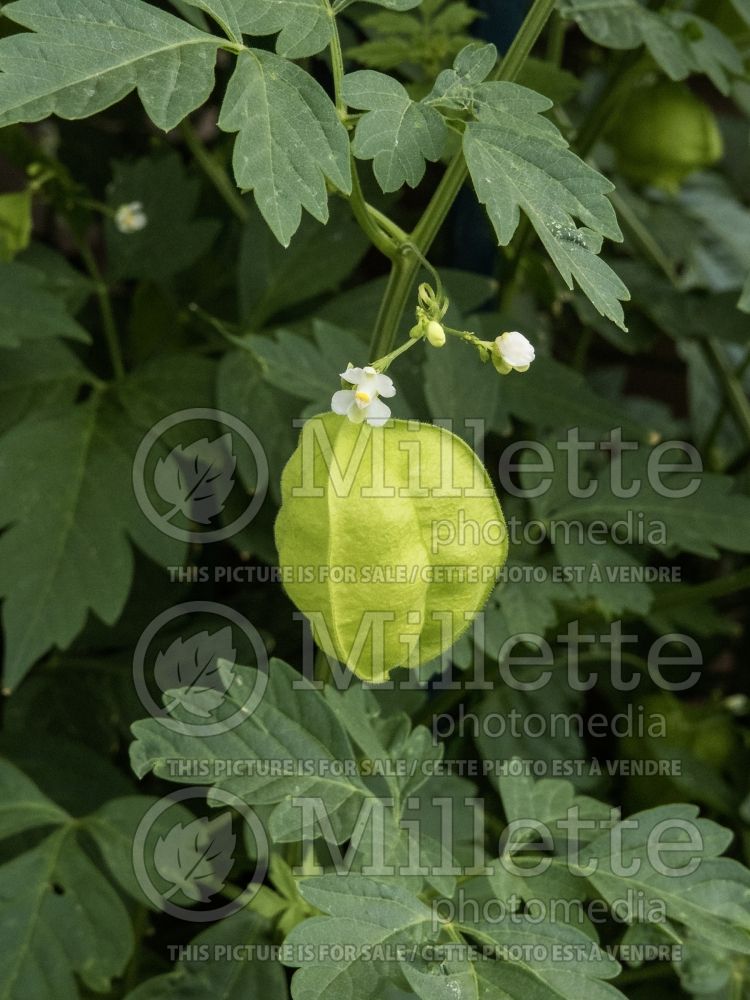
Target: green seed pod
[(663, 134), (390, 540)]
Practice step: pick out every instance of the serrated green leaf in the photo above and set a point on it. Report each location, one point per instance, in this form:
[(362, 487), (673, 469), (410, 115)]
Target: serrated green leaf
[(546, 701), (63, 280), (626, 24), (71, 501), (271, 279), (707, 517), (59, 916), (292, 723), (225, 13), (30, 311), (44, 376), (242, 391), (712, 899), (362, 913), (235, 977), (397, 133), (607, 574), (305, 26), (472, 65), (113, 828), (303, 366), (710, 50), (548, 801), (679, 41), (551, 393), (518, 160), (506, 981), (22, 805), (443, 981), (290, 140), (173, 238), (81, 56)]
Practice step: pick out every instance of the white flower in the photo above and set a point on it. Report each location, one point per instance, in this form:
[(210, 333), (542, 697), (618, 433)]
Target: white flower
[(131, 218), (512, 351), (362, 402)]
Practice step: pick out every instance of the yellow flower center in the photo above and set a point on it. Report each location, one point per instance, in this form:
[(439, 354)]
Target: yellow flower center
[(362, 397)]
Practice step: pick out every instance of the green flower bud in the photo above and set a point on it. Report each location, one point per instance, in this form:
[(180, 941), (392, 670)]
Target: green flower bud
[(435, 333)]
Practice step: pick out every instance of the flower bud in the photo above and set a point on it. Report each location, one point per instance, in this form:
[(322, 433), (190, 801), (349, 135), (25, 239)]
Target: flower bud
[(435, 333)]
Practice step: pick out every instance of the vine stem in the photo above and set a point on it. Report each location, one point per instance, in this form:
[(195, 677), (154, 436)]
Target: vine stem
[(721, 413), (214, 171), (734, 393), (381, 232), (105, 308), (406, 264)]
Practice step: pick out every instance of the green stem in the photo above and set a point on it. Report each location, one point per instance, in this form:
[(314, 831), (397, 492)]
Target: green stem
[(718, 420), (404, 269), (384, 363), (393, 304), (374, 224), (337, 64), (105, 308), (214, 171), (556, 41), (628, 68), (367, 219), (641, 233), (734, 392)]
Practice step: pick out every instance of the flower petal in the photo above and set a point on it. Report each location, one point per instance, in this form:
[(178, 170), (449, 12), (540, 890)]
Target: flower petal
[(342, 400), (356, 414), (353, 375), (385, 386), (377, 413)]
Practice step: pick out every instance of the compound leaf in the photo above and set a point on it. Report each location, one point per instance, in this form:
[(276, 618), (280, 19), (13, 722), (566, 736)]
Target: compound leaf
[(397, 133), (290, 140), (82, 56)]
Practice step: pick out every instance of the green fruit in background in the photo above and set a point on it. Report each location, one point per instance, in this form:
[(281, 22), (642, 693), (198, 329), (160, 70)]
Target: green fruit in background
[(390, 540), (664, 133)]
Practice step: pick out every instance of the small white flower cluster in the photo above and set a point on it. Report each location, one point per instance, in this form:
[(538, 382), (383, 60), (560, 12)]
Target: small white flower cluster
[(130, 218), (363, 402), (509, 352)]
